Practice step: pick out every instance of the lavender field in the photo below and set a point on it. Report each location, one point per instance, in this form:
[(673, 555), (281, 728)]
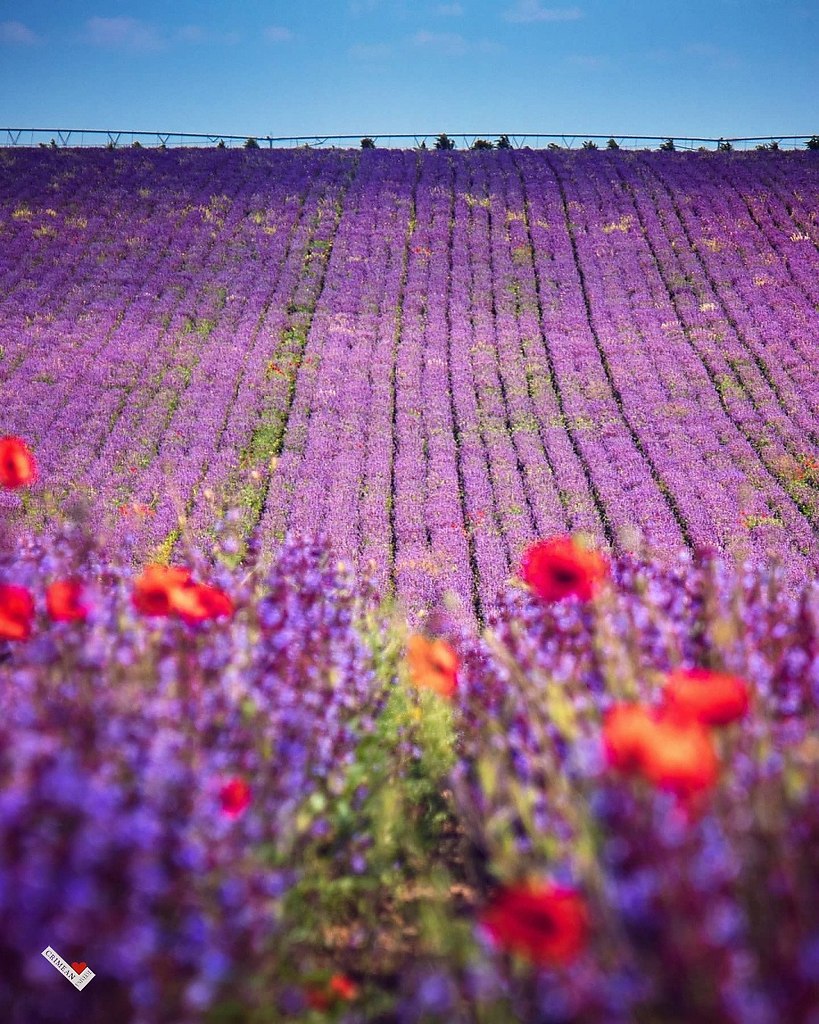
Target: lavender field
[(278, 431), (435, 358)]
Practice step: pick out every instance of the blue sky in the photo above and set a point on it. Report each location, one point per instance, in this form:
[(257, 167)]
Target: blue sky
[(653, 67)]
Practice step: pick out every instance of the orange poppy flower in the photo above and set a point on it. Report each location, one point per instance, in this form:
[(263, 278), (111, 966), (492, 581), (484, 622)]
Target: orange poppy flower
[(198, 602), (680, 756), (545, 923), (18, 467), (234, 797), (153, 590), (626, 730), (16, 612), (712, 698), (560, 567), (671, 751), (433, 665), (64, 601)]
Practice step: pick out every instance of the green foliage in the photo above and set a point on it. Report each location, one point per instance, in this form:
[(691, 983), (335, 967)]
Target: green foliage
[(612, 144), (367, 143), (724, 146), (753, 521), (482, 144), (589, 144), (813, 143), (667, 146), (251, 143), (444, 142), (391, 794), (201, 325), (503, 142)]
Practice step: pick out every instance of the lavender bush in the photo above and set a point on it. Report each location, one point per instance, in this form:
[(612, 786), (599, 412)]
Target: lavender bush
[(160, 780)]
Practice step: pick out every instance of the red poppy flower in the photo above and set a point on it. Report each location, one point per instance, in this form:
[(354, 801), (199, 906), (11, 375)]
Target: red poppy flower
[(560, 567), (317, 998), (198, 602), (235, 797), (343, 986), (153, 590), (433, 665), (16, 612), (64, 601), (680, 756), (339, 988), (18, 467), (712, 698), (545, 923)]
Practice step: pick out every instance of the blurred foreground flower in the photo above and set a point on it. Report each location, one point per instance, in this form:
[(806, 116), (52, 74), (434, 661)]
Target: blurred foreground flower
[(712, 698), (153, 590), (234, 797), (671, 752), (560, 567), (16, 612), (164, 590), (64, 601), (198, 602), (545, 923), (18, 467), (433, 665), (339, 988)]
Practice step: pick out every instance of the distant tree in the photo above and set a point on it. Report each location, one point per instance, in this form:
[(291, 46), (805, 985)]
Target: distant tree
[(53, 144), (612, 144), (111, 144), (482, 144), (589, 144), (251, 143), (136, 144), (220, 144), (444, 142), (553, 146), (367, 143), (667, 146), (503, 143), (813, 143), (723, 146), (768, 147), (423, 144)]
